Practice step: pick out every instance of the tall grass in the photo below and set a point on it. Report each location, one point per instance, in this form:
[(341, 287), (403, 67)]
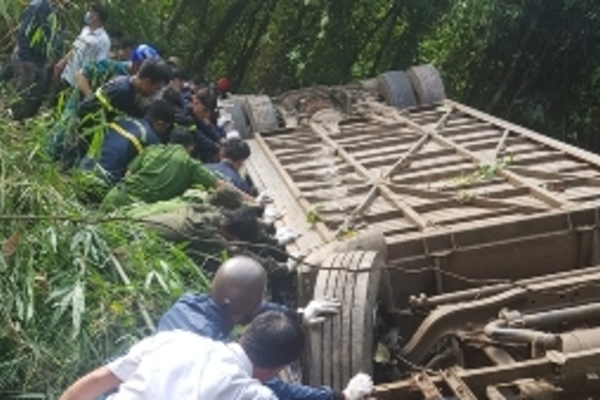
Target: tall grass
[(64, 306)]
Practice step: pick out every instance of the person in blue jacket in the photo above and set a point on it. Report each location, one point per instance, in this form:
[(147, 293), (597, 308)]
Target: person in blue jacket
[(236, 297), (126, 95), (234, 152), (122, 96), (126, 137), (38, 41)]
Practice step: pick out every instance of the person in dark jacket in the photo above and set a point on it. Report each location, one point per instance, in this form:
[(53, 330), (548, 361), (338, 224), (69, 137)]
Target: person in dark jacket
[(236, 297), (234, 153), (200, 121), (122, 96), (38, 39), (126, 137), (175, 99), (128, 95)]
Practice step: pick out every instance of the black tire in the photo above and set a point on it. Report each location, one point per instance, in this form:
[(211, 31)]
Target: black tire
[(261, 113), (344, 344), (396, 89), (427, 84)]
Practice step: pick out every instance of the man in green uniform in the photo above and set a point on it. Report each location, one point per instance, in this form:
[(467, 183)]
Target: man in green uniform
[(212, 226), (163, 172)]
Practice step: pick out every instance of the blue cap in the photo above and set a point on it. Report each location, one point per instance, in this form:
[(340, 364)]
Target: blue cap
[(144, 52)]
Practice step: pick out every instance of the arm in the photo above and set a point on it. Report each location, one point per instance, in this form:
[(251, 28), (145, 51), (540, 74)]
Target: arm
[(83, 84), (275, 251), (224, 184), (89, 106), (93, 385), (268, 306), (293, 391), (203, 176), (59, 66), (204, 143), (109, 377), (107, 97), (209, 131)]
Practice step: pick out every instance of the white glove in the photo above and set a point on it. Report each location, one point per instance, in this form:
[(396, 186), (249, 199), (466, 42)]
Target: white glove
[(295, 260), (285, 236), (233, 135), (316, 310), (359, 387), (264, 197), (223, 119), (271, 214)]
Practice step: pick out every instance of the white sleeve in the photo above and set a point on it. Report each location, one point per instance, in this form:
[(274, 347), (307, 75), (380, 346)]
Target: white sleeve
[(123, 367), (103, 48)]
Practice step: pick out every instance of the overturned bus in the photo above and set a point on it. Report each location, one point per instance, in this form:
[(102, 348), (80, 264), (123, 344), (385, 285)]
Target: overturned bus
[(465, 249)]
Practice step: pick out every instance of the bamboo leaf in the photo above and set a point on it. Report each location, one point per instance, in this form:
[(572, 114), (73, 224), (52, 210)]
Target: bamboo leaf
[(78, 301), (53, 239)]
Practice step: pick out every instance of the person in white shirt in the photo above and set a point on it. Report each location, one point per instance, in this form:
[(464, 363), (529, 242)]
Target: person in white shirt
[(182, 365), (92, 44)]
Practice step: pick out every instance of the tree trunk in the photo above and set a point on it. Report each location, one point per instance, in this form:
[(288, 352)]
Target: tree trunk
[(232, 15), (244, 60), (513, 66)]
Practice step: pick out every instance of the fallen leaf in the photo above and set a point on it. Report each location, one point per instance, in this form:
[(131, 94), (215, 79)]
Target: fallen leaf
[(10, 246)]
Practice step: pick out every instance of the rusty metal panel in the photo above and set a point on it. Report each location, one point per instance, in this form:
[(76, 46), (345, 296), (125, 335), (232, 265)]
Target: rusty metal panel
[(502, 201), (469, 170)]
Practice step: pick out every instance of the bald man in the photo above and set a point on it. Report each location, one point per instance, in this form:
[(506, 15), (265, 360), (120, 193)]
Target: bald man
[(236, 297)]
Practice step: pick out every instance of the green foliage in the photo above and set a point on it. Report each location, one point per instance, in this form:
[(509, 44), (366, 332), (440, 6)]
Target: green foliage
[(64, 307), (313, 216), (9, 11), (484, 173), (533, 62)]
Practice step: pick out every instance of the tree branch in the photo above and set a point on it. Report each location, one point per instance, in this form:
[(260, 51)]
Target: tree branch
[(176, 17), (243, 61)]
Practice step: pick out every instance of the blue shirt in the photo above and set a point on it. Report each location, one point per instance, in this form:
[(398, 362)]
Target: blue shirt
[(199, 313), (227, 172), (118, 150)]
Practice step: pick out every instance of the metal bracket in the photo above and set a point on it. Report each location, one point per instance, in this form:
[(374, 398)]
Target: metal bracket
[(427, 387), (458, 387)]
